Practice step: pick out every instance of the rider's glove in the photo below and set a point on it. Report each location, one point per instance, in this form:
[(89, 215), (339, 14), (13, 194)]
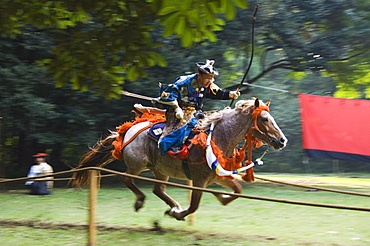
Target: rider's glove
[(234, 94), (179, 113)]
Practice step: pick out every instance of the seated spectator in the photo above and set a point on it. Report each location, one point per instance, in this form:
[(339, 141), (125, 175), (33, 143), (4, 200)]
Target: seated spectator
[(40, 168)]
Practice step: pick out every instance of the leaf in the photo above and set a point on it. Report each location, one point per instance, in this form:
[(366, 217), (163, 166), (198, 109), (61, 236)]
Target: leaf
[(151, 62), (230, 11), (186, 39), (180, 26), (59, 83), (132, 74), (161, 61), (367, 92), (186, 5), (193, 16), (210, 35), (224, 4), (216, 28), (169, 30), (170, 24), (167, 10), (347, 92), (213, 7), (220, 22), (297, 75), (241, 4)]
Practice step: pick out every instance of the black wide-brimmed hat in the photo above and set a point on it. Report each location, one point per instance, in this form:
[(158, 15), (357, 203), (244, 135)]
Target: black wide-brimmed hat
[(207, 67)]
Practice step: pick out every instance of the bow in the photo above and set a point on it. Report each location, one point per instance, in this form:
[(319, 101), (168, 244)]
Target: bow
[(252, 53)]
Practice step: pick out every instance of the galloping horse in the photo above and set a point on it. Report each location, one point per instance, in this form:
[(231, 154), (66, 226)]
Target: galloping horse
[(230, 127)]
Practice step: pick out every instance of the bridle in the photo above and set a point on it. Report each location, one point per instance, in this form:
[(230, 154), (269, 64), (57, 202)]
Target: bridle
[(251, 142)]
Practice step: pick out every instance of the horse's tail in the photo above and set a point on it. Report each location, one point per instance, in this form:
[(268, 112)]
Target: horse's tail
[(99, 156)]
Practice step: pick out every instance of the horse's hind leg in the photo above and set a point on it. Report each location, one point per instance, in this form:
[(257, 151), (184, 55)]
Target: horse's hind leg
[(160, 191), (230, 184), (140, 197)]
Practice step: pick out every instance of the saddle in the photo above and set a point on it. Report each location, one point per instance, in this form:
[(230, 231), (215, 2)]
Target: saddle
[(156, 131), (173, 144)]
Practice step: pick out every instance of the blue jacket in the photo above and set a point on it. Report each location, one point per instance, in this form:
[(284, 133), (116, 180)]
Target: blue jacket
[(186, 89)]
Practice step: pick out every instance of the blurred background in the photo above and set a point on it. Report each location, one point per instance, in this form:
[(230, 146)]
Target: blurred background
[(64, 63)]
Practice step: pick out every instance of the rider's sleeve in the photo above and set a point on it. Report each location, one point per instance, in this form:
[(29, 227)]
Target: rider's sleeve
[(177, 89), (170, 93), (214, 92)]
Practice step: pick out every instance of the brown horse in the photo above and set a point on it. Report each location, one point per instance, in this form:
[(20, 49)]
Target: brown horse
[(231, 126)]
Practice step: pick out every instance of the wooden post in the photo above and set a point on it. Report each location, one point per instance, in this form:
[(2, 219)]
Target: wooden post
[(92, 208), (191, 216)]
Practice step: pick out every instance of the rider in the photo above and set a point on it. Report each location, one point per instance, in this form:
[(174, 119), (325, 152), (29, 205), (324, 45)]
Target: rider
[(190, 90), (185, 98)]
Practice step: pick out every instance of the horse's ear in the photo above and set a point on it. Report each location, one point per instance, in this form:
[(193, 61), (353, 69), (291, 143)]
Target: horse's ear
[(268, 103), (256, 103)]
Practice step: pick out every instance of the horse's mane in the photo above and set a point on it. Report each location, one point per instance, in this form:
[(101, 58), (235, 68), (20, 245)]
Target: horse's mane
[(245, 107)]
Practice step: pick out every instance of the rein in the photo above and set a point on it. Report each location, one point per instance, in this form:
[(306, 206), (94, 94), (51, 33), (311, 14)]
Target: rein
[(256, 112), (251, 142)]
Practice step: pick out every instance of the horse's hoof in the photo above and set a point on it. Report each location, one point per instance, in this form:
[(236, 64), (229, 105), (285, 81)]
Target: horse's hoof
[(167, 213), (174, 214), (138, 205)]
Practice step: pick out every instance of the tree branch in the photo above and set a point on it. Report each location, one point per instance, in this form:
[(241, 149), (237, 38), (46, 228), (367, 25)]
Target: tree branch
[(350, 57), (263, 73)]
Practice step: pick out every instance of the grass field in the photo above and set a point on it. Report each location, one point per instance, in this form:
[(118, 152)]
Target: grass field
[(60, 219)]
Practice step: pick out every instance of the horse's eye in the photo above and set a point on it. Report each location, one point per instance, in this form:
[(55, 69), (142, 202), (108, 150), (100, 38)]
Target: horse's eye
[(265, 119)]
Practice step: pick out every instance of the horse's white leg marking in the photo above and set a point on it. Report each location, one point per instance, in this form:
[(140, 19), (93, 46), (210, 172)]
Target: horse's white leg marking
[(232, 185), (197, 195), (180, 214), (194, 202)]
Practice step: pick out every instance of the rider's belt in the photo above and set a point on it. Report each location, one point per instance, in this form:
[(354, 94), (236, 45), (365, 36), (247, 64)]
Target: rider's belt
[(195, 95)]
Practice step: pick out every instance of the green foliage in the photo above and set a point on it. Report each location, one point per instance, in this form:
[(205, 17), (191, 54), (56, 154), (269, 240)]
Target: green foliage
[(352, 78), (103, 44), (37, 117), (314, 37), (297, 75), (194, 21)]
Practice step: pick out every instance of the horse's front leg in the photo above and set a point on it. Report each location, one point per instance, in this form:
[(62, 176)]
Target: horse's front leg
[(196, 195), (230, 184), (180, 214), (160, 191)]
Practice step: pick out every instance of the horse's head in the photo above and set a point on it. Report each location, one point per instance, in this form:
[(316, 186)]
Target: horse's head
[(267, 130)]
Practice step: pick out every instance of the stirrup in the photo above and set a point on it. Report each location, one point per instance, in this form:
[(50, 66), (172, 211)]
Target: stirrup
[(182, 154)]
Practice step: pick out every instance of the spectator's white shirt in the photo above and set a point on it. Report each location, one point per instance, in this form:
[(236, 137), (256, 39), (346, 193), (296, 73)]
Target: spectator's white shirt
[(39, 169)]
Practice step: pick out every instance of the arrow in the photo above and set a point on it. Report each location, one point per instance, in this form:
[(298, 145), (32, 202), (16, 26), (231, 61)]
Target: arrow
[(130, 94)]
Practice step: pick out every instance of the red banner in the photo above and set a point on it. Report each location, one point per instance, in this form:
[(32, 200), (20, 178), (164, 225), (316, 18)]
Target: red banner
[(335, 128)]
